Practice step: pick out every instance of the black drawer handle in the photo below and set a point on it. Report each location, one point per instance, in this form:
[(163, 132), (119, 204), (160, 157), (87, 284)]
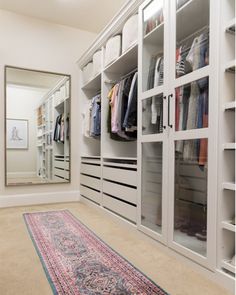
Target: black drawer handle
[(169, 97)]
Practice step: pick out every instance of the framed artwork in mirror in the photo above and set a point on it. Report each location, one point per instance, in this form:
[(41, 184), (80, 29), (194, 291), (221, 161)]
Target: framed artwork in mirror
[(17, 134)]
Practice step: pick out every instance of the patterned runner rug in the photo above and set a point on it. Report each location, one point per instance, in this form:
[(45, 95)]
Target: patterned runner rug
[(77, 262)]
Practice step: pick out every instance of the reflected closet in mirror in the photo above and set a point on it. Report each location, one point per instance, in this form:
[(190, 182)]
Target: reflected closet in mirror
[(37, 127)]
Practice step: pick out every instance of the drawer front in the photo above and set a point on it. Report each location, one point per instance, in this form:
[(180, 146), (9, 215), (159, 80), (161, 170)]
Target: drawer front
[(59, 164), (90, 194), (91, 182), (91, 170), (120, 175), (67, 175), (122, 192), (123, 209), (59, 172)]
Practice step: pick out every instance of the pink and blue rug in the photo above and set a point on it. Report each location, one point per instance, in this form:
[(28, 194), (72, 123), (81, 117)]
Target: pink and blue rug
[(77, 262)]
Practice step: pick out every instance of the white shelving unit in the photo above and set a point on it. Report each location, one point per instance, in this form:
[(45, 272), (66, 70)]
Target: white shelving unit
[(53, 158), (147, 183), (226, 195)]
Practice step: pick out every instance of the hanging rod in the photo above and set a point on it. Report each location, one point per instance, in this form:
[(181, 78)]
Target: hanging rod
[(203, 29), (192, 203), (122, 77)]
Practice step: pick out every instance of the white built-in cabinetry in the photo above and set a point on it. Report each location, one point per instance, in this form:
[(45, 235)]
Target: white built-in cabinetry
[(226, 202), (53, 157), (166, 182)]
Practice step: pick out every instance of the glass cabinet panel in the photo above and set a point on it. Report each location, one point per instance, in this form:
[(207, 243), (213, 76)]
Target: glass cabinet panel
[(151, 204), (191, 105), (190, 199), (152, 115), (192, 35), (153, 45)]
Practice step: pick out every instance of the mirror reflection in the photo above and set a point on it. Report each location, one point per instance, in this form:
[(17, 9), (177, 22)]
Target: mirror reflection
[(37, 127)]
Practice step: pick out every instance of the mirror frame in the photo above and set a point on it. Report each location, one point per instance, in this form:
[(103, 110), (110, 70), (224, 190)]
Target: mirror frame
[(5, 126)]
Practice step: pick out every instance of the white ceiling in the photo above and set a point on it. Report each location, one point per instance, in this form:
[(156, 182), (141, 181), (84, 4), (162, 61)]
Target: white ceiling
[(28, 78), (89, 15)]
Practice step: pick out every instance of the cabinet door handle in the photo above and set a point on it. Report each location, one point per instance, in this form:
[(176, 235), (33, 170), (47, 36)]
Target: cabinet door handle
[(164, 98), (169, 97)]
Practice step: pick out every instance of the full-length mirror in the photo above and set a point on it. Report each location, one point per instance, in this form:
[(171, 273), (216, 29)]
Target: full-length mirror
[(37, 127)]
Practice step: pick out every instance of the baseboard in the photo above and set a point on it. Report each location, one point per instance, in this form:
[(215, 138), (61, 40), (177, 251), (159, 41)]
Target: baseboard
[(38, 198)]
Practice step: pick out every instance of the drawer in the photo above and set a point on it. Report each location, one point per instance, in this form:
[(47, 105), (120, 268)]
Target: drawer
[(123, 209), (91, 170), (90, 194), (120, 175), (67, 175), (62, 165), (91, 182), (122, 192), (59, 172)]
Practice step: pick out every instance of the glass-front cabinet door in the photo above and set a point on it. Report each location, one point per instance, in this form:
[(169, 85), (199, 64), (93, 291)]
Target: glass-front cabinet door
[(190, 138), (178, 125), (152, 120)]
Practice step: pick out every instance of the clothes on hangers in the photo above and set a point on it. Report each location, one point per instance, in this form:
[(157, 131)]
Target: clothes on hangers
[(193, 56), (92, 118), (122, 115), (59, 129)]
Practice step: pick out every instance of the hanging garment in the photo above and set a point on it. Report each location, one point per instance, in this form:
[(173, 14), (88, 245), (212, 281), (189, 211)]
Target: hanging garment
[(113, 103), (95, 125), (62, 129), (87, 120), (131, 112), (58, 136), (151, 73)]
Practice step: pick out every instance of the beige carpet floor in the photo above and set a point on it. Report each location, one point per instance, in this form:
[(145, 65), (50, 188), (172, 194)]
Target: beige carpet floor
[(21, 272)]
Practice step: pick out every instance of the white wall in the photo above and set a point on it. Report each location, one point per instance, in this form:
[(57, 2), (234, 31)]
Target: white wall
[(22, 103), (30, 43)]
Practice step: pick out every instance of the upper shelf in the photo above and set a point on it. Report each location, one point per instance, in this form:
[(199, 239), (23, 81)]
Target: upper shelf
[(230, 106), (230, 66), (125, 63), (186, 21), (94, 83), (230, 27), (156, 36)]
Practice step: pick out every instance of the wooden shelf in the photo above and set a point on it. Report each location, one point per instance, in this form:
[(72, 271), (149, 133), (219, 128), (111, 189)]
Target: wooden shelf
[(125, 63), (156, 36), (94, 83), (230, 106), (229, 146), (228, 225), (226, 264), (230, 66), (229, 186), (230, 26)]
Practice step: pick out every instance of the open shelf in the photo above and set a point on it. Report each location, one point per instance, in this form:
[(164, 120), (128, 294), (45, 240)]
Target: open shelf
[(125, 63), (230, 66), (230, 27), (230, 106), (228, 225), (229, 146), (94, 83), (155, 36), (229, 186), (226, 264)]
